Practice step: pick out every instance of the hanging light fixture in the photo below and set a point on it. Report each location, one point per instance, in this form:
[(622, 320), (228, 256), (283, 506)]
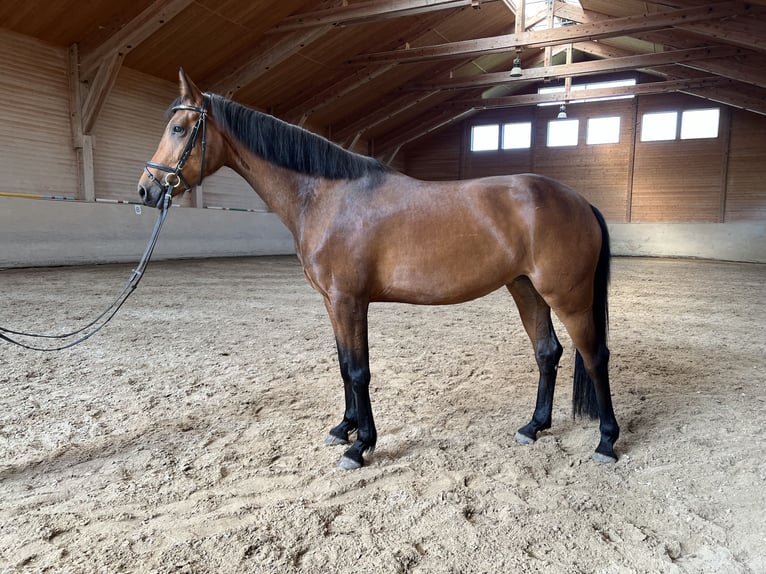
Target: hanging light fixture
[(562, 112), (516, 70)]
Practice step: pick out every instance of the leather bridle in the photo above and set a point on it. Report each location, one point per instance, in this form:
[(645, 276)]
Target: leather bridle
[(173, 175)]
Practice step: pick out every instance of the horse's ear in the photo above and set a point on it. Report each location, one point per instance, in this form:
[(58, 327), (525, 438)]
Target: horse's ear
[(189, 91)]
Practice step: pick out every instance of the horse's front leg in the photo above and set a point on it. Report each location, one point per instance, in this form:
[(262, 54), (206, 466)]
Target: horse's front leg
[(349, 321), (340, 434)]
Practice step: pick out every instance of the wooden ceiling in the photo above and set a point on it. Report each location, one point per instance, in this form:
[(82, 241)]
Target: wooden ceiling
[(390, 71)]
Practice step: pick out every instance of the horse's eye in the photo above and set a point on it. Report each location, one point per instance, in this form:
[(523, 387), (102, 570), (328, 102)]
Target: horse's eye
[(178, 129)]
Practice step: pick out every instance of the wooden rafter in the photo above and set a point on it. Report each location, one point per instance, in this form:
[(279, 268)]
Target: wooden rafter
[(398, 104), (737, 97), (132, 34), (353, 81), (552, 98), (335, 92), (747, 33), (749, 98), (102, 84), (386, 144), (369, 11), (582, 68), (369, 121), (739, 69), (264, 60), (743, 32), (558, 36)]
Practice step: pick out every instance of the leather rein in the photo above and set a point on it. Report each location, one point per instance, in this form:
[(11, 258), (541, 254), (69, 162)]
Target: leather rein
[(172, 179)]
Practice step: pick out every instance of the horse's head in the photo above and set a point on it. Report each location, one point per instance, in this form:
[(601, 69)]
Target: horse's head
[(182, 158)]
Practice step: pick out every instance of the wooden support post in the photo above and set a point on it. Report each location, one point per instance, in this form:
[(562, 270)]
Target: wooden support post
[(81, 142), (88, 173), (549, 49), (198, 197), (725, 123), (632, 160)]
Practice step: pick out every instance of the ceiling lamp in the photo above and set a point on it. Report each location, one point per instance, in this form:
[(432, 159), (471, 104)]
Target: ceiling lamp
[(516, 70), (562, 112)]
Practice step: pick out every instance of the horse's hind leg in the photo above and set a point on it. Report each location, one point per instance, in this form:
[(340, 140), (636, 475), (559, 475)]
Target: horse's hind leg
[(536, 317), (591, 394)]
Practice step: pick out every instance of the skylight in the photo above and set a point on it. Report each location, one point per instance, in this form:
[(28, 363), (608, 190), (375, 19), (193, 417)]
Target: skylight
[(582, 90)]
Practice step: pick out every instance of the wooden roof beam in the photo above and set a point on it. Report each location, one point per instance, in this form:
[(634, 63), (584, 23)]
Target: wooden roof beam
[(582, 68), (399, 102), (637, 90), (577, 33), (264, 59), (746, 97), (382, 114), (369, 11), (747, 33), (386, 144), (751, 101), (334, 92), (102, 85), (747, 68), (132, 34), (351, 82), (732, 68)]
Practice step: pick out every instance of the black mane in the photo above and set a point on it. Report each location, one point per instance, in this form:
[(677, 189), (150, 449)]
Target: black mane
[(290, 146)]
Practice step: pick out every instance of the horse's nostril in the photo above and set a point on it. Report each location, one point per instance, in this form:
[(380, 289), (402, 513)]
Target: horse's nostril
[(142, 192)]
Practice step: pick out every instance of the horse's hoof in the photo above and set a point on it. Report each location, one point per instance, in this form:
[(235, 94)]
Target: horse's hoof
[(347, 463), (604, 458), (523, 439), (333, 440)]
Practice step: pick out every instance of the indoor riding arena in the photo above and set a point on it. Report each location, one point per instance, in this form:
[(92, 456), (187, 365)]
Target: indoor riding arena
[(254, 259)]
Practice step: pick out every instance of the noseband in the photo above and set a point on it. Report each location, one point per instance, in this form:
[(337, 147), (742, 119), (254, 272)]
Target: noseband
[(173, 176)]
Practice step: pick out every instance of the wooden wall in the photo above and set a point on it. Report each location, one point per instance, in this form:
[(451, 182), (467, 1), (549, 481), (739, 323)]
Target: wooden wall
[(37, 155), (746, 170), (36, 152), (705, 180)]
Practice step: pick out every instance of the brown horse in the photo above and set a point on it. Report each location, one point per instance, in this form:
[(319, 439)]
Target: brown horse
[(366, 233)]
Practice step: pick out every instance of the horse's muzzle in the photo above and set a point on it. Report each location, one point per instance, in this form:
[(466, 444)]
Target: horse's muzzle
[(150, 194)]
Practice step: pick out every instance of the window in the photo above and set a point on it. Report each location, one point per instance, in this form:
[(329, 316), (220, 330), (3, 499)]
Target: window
[(485, 138), (603, 130), (697, 124), (659, 126), (517, 136), (563, 133)]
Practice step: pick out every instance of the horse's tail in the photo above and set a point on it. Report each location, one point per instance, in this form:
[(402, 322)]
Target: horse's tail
[(584, 394)]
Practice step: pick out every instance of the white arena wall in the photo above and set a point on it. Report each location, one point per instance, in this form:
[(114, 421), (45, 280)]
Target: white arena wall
[(36, 233)]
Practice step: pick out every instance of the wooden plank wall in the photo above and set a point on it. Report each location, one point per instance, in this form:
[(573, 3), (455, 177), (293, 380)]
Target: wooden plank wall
[(746, 173), (678, 180), (600, 172), (706, 180), (36, 152)]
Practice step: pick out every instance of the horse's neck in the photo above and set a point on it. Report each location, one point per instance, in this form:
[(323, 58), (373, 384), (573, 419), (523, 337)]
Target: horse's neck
[(279, 188)]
